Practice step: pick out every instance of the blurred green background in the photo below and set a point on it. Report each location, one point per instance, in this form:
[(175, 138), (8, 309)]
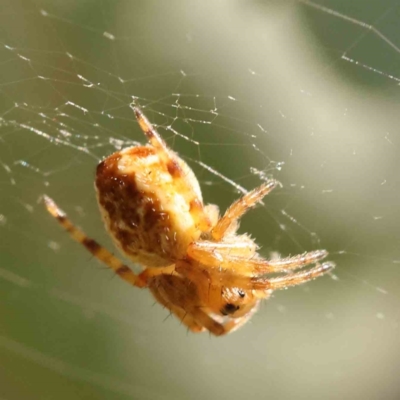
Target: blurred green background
[(251, 89)]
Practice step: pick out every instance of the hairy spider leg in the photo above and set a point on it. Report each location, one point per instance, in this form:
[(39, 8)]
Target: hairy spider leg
[(237, 272), (240, 207), (220, 256), (151, 133), (179, 171), (293, 279), (100, 252), (240, 246)]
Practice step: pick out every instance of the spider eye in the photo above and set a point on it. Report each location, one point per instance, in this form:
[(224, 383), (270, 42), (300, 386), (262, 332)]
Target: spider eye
[(241, 293), (229, 309)]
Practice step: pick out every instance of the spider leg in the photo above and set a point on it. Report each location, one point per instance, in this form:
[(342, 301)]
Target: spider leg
[(98, 251), (151, 133), (182, 175), (237, 272), (239, 207), (227, 256), (240, 248), (298, 278)]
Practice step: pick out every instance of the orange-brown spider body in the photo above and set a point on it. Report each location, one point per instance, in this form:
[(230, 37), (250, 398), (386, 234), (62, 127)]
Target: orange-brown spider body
[(194, 262)]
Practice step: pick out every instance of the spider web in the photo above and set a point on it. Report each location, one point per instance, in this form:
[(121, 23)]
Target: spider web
[(305, 92)]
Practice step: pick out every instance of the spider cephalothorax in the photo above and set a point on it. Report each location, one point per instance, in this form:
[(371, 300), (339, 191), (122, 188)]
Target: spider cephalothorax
[(194, 262)]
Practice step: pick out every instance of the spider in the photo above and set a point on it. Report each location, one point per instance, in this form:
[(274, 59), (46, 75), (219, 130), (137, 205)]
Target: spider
[(194, 262)]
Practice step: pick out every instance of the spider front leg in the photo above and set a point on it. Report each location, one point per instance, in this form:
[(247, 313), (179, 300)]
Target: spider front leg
[(228, 222), (240, 273), (298, 278), (240, 258), (98, 251)]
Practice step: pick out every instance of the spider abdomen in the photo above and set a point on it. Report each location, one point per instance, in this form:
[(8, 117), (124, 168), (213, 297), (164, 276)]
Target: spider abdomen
[(145, 213)]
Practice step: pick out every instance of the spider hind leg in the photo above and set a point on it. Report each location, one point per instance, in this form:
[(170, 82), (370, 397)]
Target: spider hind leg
[(98, 251)]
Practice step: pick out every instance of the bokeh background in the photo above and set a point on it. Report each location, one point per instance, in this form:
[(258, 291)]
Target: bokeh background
[(305, 92)]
